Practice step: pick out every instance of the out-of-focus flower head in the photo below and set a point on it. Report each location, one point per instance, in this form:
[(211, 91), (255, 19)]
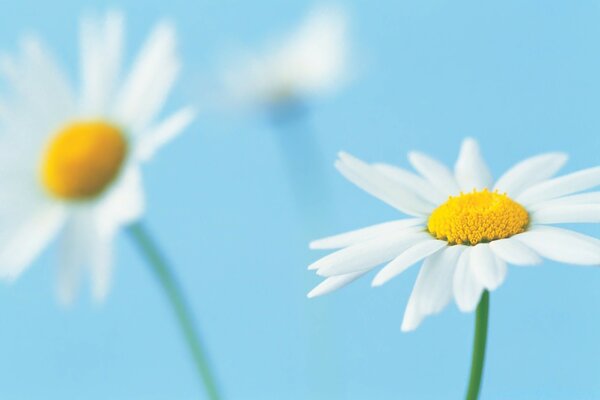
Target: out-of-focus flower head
[(70, 162), (311, 61)]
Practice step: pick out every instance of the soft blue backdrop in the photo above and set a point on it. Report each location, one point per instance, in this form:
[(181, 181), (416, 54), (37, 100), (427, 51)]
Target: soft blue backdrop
[(521, 76)]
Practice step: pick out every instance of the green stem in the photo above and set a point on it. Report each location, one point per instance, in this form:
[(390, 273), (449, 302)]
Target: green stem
[(481, 327), (165, 276)]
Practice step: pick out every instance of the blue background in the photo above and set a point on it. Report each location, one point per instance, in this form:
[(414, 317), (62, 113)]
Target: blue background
[(521, 76)]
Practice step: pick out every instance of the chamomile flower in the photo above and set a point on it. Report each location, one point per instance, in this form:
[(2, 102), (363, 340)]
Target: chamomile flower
[(464, 226), (310, 61), (70, 159)]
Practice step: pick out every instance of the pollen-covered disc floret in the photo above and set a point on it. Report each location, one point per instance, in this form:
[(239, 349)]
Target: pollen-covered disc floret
[(479, 216), (82, 159)]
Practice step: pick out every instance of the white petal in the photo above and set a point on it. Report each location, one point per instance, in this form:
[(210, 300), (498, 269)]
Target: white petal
[(433, 288), (471, 170), (413, 182), (40, 85), (334, 283), (409, 257), (101, 46), (435, 172), (150, 80), (562, 245), (488, 270), (26, 234), (123, 204), (101, 266), (367, 254), (361, 235), (83, 247), (467, 289), (75, 246), (573, 200), (561, 186), (166, 131), (581, 213), (514, 252), (529, 172), (375, 183)]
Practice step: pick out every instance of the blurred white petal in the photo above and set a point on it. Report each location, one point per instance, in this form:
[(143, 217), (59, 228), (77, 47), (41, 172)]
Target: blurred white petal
[(162, 134), (101, 47), (150, 80)]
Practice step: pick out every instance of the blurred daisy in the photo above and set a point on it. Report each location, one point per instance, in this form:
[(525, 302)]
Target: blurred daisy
[(464, 226), (310, 61), (70, 161)]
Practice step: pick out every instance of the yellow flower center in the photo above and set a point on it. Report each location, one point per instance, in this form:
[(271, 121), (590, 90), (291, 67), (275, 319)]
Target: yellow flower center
[(479, 216), (82, 159)]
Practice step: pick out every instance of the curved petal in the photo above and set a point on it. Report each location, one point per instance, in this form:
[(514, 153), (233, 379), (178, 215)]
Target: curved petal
[(380, 186), (561, 186), (75, 247), (573, 200), (530, 172), (467, 289), (582, 213), (101, 46), (562, 245), (150, 80), (435, 172), (433, 288), (162, 134), (360, 235), (123, 204), (470, 170), (514, 252), (413, 182), (101, 266), (488, 270), (25, 235), (84, 246), (367, 254), (334, 283), (409, 257), (40, 85)]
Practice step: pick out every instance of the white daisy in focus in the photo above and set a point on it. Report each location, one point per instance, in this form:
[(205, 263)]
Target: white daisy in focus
[(464, 226), (70, 161), (310, 61)]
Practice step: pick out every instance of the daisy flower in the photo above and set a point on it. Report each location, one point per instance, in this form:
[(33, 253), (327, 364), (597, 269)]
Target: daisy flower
[(70, 158), (464, 226), (309, 61)]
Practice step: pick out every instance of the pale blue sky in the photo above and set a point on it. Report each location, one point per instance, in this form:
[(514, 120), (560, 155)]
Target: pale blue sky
[(520, 76)]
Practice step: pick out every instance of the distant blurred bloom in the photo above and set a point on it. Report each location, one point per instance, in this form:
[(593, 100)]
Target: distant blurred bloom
[(70, 162), (309, 62), (464, 226)]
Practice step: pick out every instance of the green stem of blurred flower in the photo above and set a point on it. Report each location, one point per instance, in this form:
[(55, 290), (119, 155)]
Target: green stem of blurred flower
[(477, 361), (165, 276)]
